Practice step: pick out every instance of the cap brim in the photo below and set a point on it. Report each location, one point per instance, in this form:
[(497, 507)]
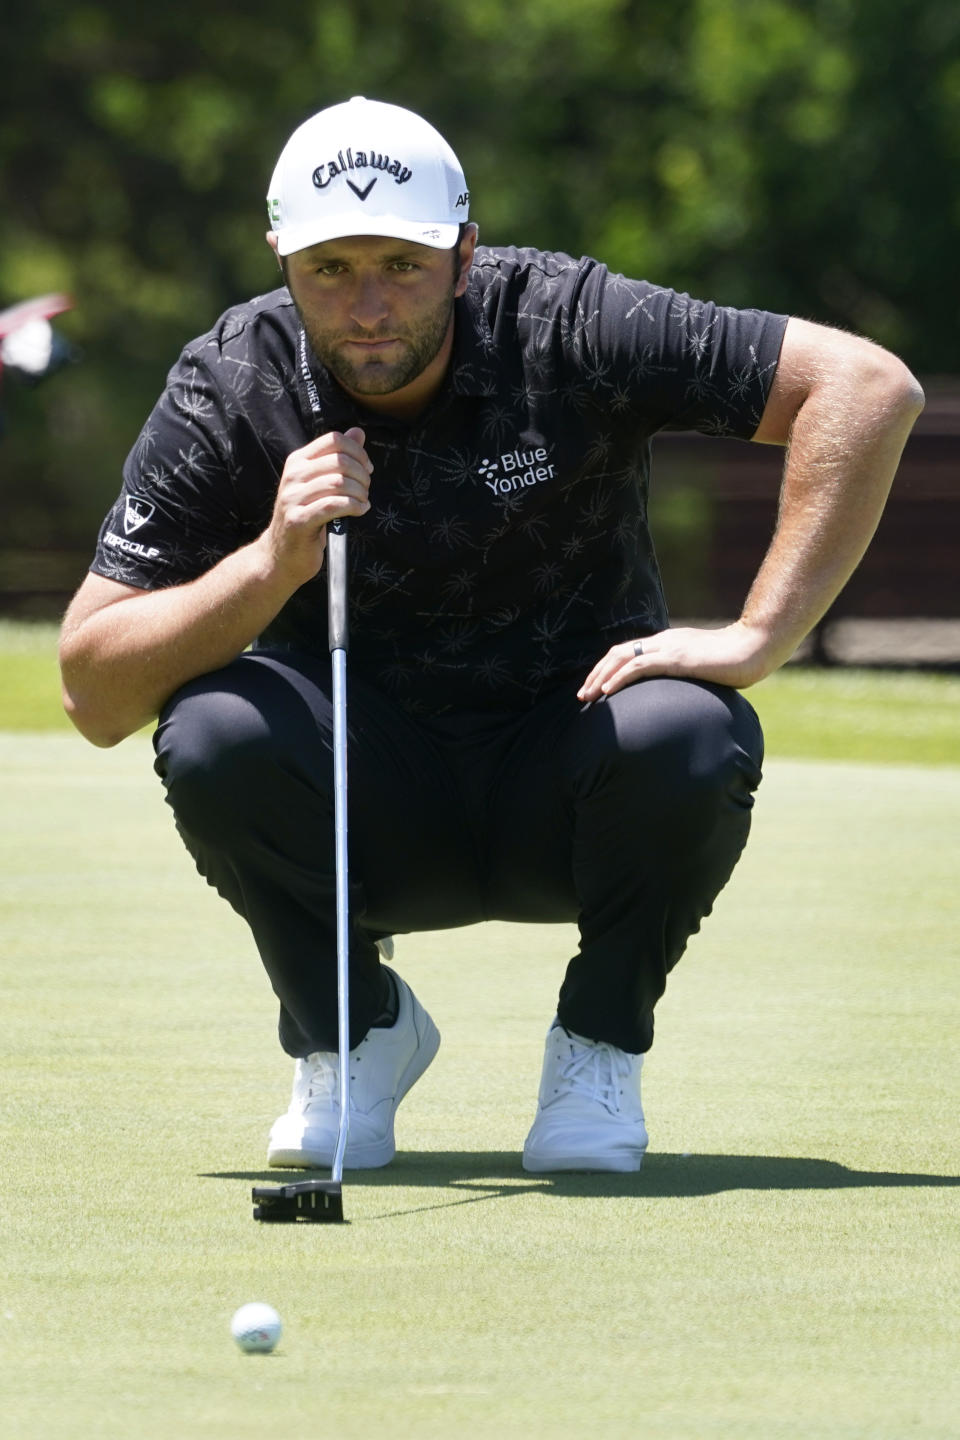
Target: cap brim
[(441, 236)]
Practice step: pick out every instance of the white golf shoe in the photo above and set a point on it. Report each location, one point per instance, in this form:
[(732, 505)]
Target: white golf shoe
[(589, 1115), (383, 1067)]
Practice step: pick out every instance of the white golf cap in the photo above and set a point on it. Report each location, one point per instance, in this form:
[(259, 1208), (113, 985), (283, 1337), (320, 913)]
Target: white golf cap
[(366, 168)]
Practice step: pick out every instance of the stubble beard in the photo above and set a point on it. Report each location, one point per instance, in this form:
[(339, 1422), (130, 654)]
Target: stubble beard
[(420, 343)]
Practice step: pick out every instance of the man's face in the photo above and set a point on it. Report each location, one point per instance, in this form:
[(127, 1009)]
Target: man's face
[(379, 313)]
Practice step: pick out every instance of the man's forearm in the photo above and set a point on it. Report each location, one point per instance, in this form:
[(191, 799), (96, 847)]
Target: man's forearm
[(843, 453), (121, 661), (844, 408), (123, 652)]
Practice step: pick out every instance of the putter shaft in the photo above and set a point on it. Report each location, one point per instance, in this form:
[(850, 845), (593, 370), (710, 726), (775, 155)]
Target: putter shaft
[(322, 1200), (343, 902)]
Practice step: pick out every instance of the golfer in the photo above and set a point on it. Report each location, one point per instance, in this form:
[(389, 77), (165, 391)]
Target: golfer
[(529, 739)]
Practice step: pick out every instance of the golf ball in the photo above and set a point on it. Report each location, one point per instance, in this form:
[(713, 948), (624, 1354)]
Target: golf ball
[(256, 1328)]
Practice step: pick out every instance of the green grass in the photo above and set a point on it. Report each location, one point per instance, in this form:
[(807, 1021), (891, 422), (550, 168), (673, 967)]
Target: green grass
[(785, 1265), (902, 717), (29, 678)]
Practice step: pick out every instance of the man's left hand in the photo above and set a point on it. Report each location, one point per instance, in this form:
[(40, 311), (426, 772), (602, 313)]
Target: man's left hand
[(736, 655)]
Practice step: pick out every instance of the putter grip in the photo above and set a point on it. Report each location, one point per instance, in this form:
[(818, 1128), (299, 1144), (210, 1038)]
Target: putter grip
[(337, 585)]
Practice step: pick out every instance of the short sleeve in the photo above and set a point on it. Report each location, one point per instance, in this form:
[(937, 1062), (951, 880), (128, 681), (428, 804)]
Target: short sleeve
[(680, 363), (176, 515)]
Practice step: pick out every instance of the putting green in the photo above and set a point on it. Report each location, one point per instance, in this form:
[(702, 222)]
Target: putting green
[(785, 1264)]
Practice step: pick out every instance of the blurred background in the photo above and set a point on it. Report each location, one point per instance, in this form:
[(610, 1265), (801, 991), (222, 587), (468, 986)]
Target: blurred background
[(794, 155)]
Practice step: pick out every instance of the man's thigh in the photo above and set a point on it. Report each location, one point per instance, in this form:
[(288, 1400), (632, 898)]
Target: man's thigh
[(258, 735), (413, 837)]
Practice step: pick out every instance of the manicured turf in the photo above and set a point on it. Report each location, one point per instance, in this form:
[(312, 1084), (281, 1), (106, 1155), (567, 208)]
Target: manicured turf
[(29, 678), (903, 717), (785, 1265)]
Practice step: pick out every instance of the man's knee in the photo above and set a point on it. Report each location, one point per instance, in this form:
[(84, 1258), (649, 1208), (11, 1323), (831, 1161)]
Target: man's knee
[(679, 742), (216, 750)]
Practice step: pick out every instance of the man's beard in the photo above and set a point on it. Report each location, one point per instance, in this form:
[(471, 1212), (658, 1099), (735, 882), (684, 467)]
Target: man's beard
[(420, 344)]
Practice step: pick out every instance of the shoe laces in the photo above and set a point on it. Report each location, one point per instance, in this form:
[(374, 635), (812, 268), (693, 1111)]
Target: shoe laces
[(320, 1080), (595, 1069)]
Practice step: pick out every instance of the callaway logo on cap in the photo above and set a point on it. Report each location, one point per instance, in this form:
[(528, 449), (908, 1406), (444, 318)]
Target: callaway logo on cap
[(367, 168)]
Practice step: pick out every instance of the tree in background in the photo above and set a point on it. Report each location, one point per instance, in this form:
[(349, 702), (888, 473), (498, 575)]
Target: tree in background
[(800, 155)]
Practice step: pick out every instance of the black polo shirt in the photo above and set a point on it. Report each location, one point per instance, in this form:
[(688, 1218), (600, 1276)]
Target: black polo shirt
[(507, 544)]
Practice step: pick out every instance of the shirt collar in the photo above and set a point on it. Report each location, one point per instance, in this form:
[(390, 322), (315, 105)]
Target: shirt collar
[(473, 366)]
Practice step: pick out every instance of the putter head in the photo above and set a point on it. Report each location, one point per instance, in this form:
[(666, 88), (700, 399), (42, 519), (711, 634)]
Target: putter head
[(317, 1202)]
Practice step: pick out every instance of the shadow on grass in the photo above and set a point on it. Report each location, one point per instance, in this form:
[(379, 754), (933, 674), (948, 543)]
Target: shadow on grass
[(472, 1176)]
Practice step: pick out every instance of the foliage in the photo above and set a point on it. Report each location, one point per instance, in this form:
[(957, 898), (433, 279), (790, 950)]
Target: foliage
[(798, 155)]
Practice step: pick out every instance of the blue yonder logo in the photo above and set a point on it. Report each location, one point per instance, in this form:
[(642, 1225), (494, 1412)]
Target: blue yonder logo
[(516, 470)]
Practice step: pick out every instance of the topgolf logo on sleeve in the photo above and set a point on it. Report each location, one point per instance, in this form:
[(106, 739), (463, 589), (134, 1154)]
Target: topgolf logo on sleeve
[(136, 513)]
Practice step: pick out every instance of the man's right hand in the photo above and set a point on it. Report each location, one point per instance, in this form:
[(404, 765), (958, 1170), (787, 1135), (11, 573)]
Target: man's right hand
[(326, 480), (125, 650)]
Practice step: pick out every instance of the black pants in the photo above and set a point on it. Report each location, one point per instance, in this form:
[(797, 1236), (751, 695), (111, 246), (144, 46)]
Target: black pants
[(626, 816)]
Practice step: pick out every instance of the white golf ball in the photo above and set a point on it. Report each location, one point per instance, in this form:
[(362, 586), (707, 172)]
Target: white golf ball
[(256, 1328)]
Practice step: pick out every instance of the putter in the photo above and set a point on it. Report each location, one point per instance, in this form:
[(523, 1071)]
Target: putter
[(322, 1200)]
